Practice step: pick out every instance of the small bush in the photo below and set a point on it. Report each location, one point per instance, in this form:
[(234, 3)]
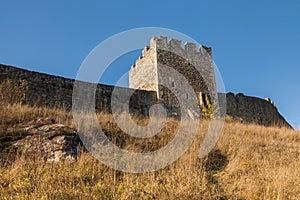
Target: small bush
[(209, 111), (229, 119)]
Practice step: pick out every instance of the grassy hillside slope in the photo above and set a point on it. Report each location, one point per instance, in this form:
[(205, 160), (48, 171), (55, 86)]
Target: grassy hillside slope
[(248, 162)]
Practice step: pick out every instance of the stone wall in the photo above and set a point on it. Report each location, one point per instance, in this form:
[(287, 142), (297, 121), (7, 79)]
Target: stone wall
[(248, 109), (54, 91)]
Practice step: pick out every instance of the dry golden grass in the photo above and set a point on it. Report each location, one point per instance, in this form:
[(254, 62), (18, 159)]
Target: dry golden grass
[(248, 162)]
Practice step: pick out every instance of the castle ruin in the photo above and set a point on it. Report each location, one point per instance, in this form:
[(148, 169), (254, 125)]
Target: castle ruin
[(145, 79)]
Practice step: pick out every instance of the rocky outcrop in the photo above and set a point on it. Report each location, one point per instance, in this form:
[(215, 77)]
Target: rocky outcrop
[(47, 141), (51, 143)]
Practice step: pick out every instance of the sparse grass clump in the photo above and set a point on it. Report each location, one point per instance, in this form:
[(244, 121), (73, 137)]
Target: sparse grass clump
[(13, 92)]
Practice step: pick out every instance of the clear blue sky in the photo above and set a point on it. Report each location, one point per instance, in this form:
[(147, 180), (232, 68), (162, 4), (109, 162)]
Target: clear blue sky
[(255, 43)]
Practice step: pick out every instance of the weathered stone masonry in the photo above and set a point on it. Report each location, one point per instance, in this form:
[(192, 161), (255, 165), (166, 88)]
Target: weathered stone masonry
[(150, 72), (254, 110), (56, 92)]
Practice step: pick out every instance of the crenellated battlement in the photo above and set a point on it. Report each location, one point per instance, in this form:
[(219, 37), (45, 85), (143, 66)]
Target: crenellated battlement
[(189, 51), (175, 46)]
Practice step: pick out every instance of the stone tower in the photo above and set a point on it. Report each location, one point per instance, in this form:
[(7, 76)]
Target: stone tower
[(195, 66)]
